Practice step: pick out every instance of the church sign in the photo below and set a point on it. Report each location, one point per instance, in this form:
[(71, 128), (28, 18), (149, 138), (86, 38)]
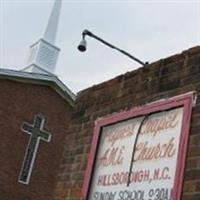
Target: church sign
[(140, 154)]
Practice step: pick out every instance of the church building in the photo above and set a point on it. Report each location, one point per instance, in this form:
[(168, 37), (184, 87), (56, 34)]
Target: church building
[(35, 110), (134, 137)]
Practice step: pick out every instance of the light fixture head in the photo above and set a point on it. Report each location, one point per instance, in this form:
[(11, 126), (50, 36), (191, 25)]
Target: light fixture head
[(83, 45)]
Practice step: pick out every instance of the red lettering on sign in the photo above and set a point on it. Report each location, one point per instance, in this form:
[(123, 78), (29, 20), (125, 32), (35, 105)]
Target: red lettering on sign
[(159, 124), (111, 157), (119, 133), (146, 152)]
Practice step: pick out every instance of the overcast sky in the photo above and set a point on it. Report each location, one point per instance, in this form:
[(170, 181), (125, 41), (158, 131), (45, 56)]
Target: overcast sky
[(150, 30)]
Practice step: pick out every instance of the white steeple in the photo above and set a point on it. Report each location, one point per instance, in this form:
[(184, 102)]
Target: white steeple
[(43, 54), (51, 30)]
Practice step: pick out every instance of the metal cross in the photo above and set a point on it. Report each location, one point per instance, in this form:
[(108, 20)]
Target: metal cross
[(36, 133)]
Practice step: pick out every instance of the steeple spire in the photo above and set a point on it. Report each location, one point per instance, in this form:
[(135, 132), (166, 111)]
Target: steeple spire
[(51, 29), (43, 54)]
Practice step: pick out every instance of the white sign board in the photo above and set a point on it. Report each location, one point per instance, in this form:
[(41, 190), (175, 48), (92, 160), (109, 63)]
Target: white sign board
[(155, 158)]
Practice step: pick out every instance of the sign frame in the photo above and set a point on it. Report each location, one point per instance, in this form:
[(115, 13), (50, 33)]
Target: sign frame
[(186, 101)]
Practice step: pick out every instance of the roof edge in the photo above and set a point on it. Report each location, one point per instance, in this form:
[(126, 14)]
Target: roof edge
[(43, 79)]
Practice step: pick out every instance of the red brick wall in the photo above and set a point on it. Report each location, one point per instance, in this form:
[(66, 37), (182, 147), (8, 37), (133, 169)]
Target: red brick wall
[(21, 102), (163, 79)]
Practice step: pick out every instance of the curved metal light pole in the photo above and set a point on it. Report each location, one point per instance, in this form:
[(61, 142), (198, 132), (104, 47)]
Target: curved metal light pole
[(83, 46)]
